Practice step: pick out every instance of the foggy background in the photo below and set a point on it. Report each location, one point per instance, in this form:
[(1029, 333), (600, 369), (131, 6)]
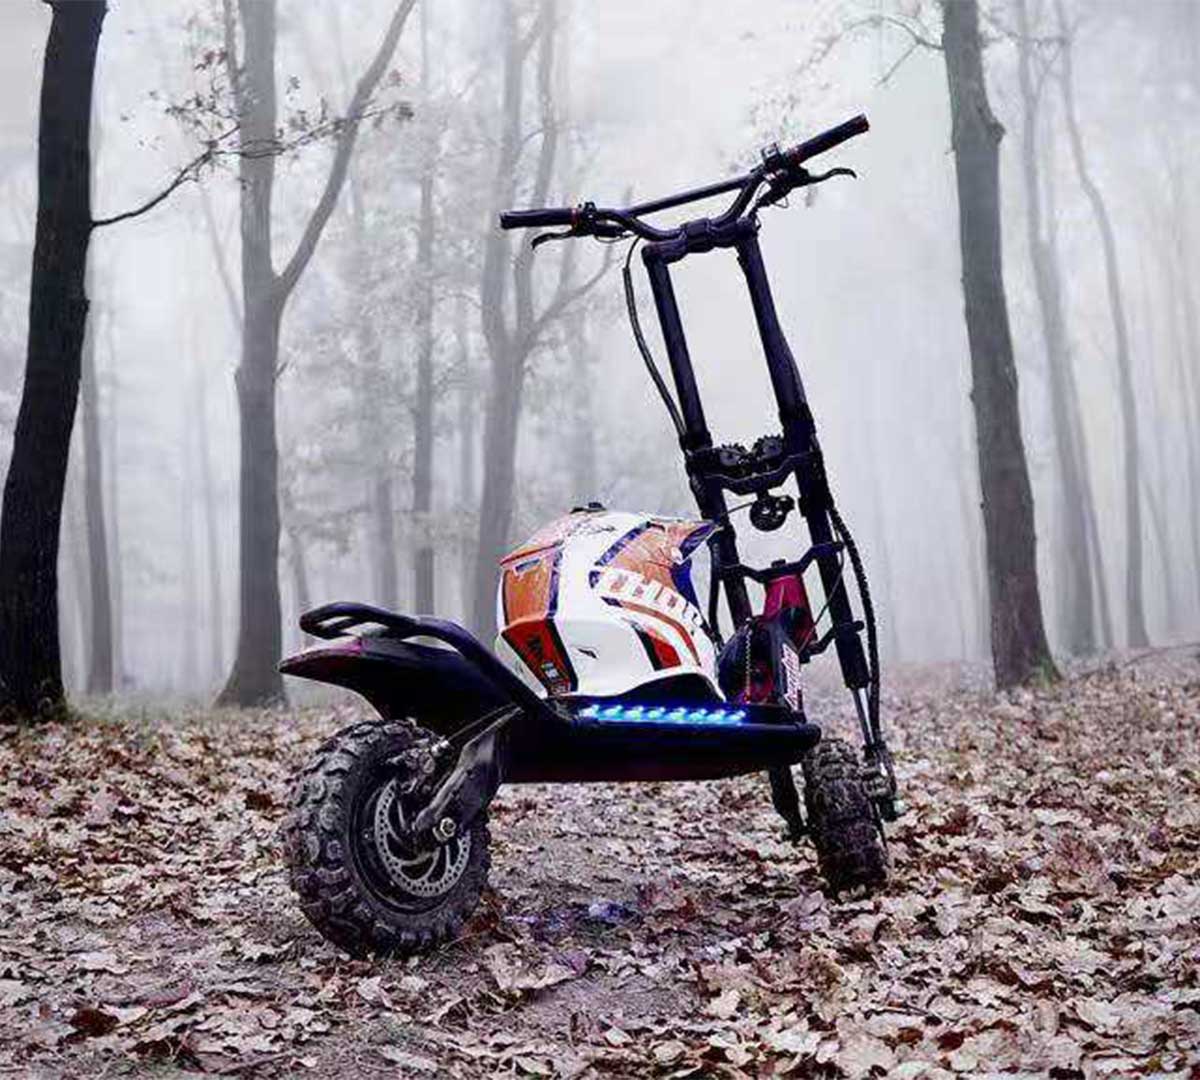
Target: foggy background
[(657, 97)]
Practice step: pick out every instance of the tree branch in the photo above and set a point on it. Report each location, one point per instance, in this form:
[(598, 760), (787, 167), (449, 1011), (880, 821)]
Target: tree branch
[(565, 298), (919, 38), (345, 147), (189, 172)]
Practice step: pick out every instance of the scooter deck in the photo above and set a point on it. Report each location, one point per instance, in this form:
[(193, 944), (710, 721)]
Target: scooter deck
[(568, 740), (629, 742)]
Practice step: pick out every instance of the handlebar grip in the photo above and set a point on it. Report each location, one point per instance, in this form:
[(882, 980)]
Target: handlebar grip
[(827, 140), (536, 219)]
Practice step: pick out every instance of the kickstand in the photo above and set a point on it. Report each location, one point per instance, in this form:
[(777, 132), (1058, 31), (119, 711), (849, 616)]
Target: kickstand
[(787, 802)]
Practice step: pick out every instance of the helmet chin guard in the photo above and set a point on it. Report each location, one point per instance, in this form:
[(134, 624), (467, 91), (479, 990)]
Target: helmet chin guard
[(599, 603)]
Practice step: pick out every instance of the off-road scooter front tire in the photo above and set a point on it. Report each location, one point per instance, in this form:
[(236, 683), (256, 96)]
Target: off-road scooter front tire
[(842, 821), (356, 882)]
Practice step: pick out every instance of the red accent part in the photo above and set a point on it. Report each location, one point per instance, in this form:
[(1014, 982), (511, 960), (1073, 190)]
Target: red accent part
[(663, 649), (785, 592), (536, 643)]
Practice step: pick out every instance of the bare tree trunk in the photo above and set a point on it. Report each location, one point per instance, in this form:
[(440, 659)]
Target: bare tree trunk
[(30, 663), (496, 502), (977, 615), (582, 397), (499, 431), (255, 679), (1155, 501), (1071, 553), (509, 346), (468, 447), (113, 507), (1135, 605), (383, 502), (1074, 412), (299, 563), (190, 585), (74, 633), (373, 434), (296, 554), (1019, 648), (212, 544), (1180, 280), (100, 652), (423, 569)]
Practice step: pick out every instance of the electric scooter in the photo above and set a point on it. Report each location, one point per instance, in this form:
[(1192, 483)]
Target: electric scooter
[(605, 667)]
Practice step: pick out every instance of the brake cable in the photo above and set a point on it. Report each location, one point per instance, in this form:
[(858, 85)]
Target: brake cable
[(643, 348)]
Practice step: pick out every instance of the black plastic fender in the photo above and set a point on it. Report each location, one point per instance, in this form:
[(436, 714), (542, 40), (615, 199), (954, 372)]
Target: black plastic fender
[(434, 686)]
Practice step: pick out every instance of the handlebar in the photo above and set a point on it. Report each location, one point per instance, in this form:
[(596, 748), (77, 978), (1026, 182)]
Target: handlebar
[(827, 140), (536, 219), (781, 169)]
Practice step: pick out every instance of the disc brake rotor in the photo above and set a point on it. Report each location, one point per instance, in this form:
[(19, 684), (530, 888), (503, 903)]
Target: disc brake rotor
[(418, 873)]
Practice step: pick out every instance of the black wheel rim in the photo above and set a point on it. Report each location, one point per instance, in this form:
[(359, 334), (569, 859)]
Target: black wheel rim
[(398, 876)]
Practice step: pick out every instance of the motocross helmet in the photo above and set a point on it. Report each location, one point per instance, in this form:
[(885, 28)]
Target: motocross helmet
[(600, 603)]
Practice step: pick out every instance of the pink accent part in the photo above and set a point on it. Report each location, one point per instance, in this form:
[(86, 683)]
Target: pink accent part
[(785, 592)]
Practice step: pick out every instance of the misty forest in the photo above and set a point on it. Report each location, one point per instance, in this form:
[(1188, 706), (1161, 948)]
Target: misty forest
[(265, 350)]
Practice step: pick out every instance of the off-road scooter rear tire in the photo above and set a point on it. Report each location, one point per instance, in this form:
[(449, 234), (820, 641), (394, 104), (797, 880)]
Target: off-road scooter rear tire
[(347, 886), (842, 821)]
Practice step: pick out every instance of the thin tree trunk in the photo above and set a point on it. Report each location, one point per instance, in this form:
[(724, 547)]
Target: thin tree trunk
[(423, 568), (383, 501), (582, 419), (1154, 504), (100, 651), (1071, 554), (977, 614), (373, 436), (212, 543), (255, 679), (296, 556), (1180, 282), (112, 505), (1018, 637), (299, 564), (1078, 438), (509, 346), (30, 662), (75, 633), (468, 447), (496, 503), (189, 586), (1134, 602)]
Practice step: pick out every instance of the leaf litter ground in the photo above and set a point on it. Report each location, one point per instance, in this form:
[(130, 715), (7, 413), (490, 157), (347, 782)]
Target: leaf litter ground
[(1043, 919)]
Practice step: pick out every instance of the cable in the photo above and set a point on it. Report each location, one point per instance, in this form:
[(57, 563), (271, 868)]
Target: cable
[(644, 349), (864, 591)]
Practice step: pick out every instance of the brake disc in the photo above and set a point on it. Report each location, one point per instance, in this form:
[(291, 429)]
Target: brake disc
[(419, 873)]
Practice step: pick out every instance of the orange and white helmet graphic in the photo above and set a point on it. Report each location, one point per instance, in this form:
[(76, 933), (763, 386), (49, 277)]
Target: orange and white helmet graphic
[(601, 602)]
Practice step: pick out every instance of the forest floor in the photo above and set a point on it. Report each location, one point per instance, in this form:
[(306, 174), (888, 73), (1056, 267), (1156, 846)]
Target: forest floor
[(1043, 919)]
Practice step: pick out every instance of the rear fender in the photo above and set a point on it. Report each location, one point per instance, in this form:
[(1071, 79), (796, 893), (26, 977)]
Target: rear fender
[(435, 686)]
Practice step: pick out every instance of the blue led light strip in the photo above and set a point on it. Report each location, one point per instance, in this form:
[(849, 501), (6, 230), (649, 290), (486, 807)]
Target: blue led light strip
[(660, 714)]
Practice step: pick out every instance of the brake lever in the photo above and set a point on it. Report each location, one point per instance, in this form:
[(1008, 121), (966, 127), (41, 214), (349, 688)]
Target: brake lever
[(783, 184), (546, 237), (817, 178), (601, 230)]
